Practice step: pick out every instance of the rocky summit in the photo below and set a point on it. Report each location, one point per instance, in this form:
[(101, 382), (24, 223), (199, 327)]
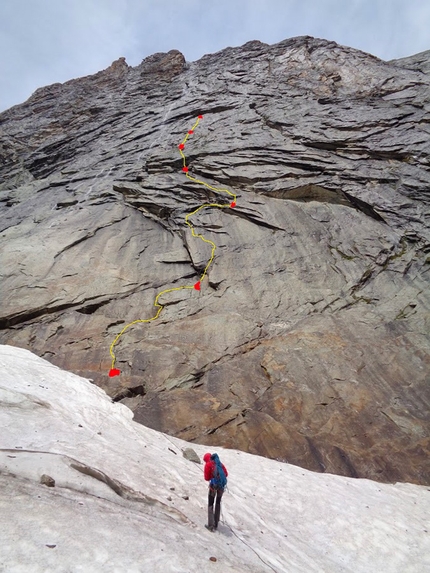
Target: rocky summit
[(308, 341)]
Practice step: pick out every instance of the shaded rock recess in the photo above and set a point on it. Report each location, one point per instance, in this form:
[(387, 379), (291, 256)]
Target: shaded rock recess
[(309, 340)]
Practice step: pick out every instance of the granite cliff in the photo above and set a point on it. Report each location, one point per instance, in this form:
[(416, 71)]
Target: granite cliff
[(309, 339)]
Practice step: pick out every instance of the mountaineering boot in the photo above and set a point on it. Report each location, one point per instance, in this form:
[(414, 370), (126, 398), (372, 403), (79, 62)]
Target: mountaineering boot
[(210, 524)]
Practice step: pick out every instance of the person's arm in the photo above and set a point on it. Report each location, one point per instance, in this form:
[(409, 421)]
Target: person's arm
[(225, 470), (208, 471)]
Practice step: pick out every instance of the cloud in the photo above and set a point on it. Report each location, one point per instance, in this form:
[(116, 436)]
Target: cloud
[(47, 41), (54, 41)]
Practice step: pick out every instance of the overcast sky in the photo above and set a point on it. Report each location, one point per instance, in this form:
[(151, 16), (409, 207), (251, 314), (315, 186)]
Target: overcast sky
[(48, 41)]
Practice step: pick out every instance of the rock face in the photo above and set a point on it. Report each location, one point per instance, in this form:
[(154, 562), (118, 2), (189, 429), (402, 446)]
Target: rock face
[(309, 339)]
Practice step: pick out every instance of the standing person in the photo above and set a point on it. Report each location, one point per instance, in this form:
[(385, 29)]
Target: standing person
[(216, 474)]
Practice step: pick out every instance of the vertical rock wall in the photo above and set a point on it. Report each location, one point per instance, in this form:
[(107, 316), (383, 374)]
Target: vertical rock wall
[(309, 339)]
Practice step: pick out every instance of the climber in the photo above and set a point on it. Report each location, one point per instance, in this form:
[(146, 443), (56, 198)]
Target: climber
[(216, 474)]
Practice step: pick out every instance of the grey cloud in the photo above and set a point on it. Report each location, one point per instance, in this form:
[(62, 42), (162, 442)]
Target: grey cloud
[(47, 41)]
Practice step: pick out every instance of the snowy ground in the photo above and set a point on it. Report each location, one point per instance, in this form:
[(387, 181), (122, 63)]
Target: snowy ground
[(126, 500)]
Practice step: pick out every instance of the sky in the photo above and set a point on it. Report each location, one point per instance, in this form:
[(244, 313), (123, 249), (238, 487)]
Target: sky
[(48, 41)]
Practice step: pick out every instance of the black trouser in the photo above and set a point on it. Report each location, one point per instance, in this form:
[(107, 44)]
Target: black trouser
[(214, 493)]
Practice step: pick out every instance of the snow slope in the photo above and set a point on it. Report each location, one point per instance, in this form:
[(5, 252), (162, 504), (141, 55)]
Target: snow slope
[(127, 500)]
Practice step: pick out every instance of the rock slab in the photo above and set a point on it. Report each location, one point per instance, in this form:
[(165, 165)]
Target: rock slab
[(309, 339)]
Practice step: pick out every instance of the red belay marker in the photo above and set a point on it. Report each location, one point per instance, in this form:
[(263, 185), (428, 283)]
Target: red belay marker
[(197, 285)]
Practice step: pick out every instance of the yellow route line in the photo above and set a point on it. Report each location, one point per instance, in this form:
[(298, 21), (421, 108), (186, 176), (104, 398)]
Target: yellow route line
[(196, 286)]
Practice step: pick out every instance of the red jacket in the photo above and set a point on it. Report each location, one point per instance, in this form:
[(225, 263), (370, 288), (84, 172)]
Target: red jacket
[(210, 467)]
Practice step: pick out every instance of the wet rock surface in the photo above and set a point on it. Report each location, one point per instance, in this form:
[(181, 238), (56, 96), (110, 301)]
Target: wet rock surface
[(309, 339)]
